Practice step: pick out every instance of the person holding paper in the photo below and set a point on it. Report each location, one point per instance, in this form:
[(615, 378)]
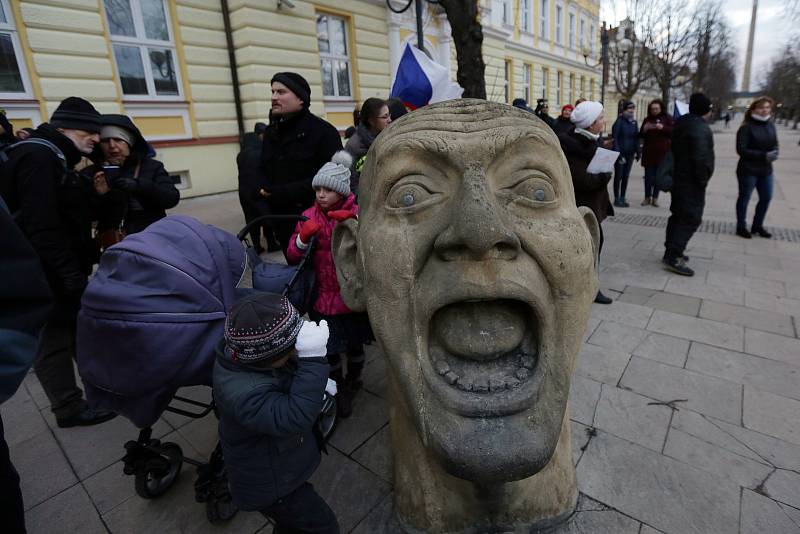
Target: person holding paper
[(580, 147)]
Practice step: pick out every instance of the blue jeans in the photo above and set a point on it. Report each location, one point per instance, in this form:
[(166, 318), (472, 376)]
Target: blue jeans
[(762, 184), (650, 189)]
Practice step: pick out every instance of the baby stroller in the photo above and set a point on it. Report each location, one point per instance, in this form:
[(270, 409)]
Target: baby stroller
[(168, 286)]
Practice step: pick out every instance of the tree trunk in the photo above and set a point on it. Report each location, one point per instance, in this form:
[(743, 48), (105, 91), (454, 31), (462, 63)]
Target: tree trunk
[(468, 39)]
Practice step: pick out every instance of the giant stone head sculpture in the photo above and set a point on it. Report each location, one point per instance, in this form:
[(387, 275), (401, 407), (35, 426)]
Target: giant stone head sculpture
[(478, 273)]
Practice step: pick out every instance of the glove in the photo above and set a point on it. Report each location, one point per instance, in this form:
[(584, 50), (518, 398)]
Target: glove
[(312, 341), (341, 215), (126, 184), (772, 155), (308, 230), (622, 160), (330, 388)]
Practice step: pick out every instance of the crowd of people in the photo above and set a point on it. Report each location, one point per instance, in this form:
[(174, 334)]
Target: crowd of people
[(80, 183)]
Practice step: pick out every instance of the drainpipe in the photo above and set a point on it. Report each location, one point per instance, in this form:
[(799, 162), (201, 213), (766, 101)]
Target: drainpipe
[(237, 96)]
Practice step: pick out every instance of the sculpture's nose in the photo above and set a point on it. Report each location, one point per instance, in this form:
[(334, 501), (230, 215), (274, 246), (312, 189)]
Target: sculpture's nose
[(475, 230)]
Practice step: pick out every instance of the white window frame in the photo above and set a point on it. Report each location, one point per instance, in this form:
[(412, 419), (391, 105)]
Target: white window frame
[(559, 24), (507, 16), (571, 88), (143, 43), (559, 87), (507, 74), (591, 39), (527, 74), (337, 57), (10, 28), (582, 35), (544, 19), (545, 81), (572, 29), (525, 15)]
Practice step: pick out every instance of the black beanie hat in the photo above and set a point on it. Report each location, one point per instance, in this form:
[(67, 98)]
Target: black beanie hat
[(75, 113), (699, 104), (296, 84), (260, 328), (627, 105)]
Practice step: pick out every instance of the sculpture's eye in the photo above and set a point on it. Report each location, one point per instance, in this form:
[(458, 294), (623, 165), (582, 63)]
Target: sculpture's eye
[(408, 195), (536, 189)]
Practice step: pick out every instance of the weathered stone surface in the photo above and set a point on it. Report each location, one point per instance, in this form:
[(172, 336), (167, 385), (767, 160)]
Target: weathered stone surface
[(715, 460), (748, 317), (784, 486), (70, 511), (583, 396), (623, 312), (762, 515), (702, 330), (772, 414), (617, 336), (376, 454), (665, 349), (630, 416), (782, 348), (602, 364), (762, 373), (697, 288), (674, 303), (715, 432), (770, 287), (702, 393)]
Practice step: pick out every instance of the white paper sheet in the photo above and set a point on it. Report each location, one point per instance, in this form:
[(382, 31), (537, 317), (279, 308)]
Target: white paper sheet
[(603, 161)]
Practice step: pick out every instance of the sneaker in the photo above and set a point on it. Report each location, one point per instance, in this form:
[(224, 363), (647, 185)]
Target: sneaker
[(678, 266), (654, 202), (761, 232), (602, 299), (618, 203), (625, 203), (742, 232), (645, 202)]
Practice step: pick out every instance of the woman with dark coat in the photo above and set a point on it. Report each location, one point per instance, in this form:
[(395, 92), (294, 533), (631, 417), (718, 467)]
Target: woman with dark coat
[(757, 146), (579, 146), (140, 184), (656, 132), (372, 120)]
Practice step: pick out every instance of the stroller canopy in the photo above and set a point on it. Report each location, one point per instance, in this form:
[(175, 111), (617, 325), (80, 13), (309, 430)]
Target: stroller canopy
[(153, 312)]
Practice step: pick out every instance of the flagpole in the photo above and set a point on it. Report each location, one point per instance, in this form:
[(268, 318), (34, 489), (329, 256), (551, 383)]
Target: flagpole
[(420, 35)]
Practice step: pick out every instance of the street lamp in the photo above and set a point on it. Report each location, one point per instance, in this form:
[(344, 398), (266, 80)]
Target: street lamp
[(418, 10), (603, 60)]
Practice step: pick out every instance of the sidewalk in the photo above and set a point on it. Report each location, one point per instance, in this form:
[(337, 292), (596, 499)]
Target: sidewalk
[(685, 405)]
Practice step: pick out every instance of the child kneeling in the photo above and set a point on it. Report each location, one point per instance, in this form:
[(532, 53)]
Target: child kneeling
[(269, 378)]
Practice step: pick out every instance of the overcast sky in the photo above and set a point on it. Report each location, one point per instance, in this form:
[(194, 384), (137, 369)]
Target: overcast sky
[(773, 31)]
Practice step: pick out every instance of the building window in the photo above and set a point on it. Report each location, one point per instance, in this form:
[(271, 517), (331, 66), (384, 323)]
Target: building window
[(507, 80), (525, 15), (571, 89), (545, 82), (526, 83), (583, 87), (13, 75), (559, 87), (591, 38), (572, 30), (559, 23), (144, 48), (506, 5), (544, 20), (582, 37), (334, 56)]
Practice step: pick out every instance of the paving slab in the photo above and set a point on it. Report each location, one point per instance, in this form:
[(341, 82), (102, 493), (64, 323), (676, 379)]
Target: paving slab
[(376, 454), (772, 414), (762, 515), (776, 347), (674, 303), (21, 414), (657, 490), (583, 396), (770, 287), (630, 416), (782, 275), (784, 486), (34, 389), (602, 364), (761, 373), (623, 312), (689, 449), (761, 260), (591, 325), (703, 330), (777, 323), (665, 349), (617, 336), (646, 529), (773, 303), (370, 413), (578, 436), (43, 469), (69, 512), (375, 374), (702, 393), (202, 434), (697, 288)]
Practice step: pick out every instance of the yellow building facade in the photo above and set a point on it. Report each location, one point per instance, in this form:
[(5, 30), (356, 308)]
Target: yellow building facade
[(166, 63)]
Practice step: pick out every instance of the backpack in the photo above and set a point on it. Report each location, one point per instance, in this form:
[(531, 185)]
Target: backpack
[(5, 155)]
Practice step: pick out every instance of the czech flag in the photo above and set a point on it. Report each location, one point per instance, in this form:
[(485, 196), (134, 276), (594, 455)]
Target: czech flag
[(420, 81)]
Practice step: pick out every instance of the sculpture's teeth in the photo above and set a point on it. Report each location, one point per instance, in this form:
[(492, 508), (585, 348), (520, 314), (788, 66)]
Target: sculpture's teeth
[(441, 367), (496, 384), (451, 377), (522, 374), (512, 382), (527, 361)]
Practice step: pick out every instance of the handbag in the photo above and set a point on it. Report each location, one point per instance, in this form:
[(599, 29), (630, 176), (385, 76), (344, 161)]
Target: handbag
[(112, 236)]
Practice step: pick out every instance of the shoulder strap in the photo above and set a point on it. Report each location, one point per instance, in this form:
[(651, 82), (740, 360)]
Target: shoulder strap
[(34, 141)]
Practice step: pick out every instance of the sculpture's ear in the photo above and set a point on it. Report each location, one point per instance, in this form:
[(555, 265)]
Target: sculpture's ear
[(349, 267), (594, 229)]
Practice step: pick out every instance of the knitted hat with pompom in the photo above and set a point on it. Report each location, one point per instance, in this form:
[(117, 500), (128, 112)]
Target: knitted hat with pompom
[(335, 175)]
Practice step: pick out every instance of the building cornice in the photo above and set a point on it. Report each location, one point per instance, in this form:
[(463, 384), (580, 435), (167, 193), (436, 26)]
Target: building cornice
[(519, 47)]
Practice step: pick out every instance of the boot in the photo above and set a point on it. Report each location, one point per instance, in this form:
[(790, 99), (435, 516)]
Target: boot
[(654, 202), (742, 232), (344, 401), (760, 232), (602, 299), (646, 201)]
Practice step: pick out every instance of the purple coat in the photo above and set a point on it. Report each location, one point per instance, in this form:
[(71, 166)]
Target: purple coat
[(152, 314)]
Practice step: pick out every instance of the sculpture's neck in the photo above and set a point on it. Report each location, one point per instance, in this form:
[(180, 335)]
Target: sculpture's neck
[(427, 499)]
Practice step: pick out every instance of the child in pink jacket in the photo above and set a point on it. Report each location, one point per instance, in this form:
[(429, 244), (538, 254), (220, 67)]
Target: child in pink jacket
[(349, 331)]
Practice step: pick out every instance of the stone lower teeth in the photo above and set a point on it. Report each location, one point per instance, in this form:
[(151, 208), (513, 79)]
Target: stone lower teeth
[(493, 384)]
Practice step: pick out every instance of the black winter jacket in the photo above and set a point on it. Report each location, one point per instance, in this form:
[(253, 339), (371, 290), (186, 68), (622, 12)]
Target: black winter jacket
[(294, 149), (590, 189), (154, 193), (54, 209), (692, 151), (265, 426), (753, 140)]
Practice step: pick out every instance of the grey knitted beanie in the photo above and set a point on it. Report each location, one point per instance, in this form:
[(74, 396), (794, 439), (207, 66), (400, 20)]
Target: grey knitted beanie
[(335, 175)]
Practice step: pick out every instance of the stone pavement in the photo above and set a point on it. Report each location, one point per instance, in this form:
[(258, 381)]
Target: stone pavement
[(685, 405)]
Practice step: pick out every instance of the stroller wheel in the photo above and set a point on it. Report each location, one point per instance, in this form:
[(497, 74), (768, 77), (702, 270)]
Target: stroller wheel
[(327, 417), (219, 506), (157, 474)]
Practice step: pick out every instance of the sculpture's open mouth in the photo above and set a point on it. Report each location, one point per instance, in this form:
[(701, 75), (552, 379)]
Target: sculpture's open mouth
[(484, 356)]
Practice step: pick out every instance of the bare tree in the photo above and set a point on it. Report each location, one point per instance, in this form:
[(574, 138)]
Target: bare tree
[(714, 54), (669, 39), (467, 32), (783, 83), (630, 64)]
